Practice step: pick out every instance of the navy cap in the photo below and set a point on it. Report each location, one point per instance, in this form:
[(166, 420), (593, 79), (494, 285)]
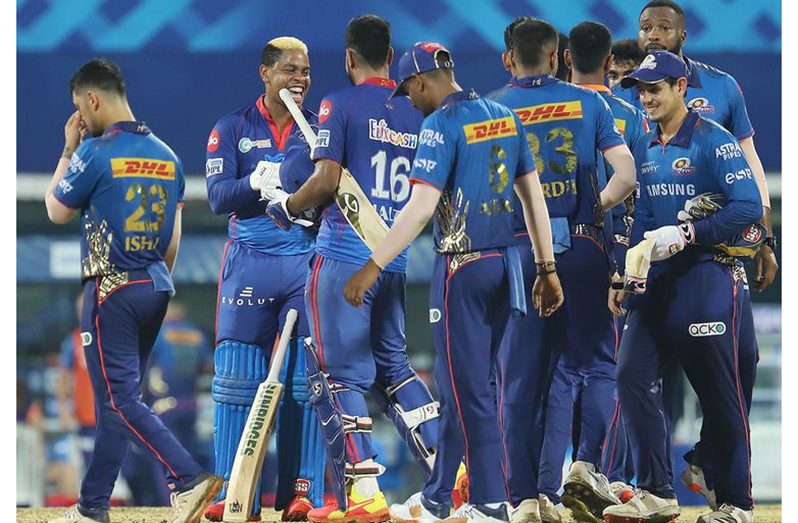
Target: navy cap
[(655, 67), (420, 58)]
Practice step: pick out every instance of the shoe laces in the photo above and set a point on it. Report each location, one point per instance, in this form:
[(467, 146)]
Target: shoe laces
[(73, 512), (174, 500), (727, 509), (414, 500)]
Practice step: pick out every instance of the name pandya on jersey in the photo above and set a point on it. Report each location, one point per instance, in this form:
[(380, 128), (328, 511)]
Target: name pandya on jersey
[(550, 112), (481, 131), (142, 168)]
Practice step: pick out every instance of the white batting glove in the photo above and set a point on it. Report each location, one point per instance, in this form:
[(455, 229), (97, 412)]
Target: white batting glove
[(670, 239), (265, 178)]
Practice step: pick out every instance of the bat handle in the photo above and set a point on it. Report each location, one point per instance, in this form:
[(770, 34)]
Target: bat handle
[(299, 118), (282, 346)]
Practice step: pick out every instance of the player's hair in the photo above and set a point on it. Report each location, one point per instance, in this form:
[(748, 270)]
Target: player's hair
[(562, 68), (590, 44), (100, 74), (666, 3), (370, 37), (508, 31), (275, 47), (530, 38), (627, 50)]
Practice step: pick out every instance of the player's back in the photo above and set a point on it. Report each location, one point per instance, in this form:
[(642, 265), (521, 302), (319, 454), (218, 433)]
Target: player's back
[(375, 139)]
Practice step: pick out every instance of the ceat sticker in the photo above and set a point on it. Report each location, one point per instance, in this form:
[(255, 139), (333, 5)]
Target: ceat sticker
[(213, 141), (324, 111)]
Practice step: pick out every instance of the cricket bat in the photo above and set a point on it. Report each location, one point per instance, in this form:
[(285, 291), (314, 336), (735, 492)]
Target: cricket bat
[(255, 438), (350, 198)]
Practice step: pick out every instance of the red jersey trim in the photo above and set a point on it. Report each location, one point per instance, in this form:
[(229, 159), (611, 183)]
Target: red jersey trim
[(382, 82)]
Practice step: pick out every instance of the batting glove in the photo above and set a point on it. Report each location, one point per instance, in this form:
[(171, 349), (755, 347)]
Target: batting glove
[(670, 239), (277, 210), (265, 179)]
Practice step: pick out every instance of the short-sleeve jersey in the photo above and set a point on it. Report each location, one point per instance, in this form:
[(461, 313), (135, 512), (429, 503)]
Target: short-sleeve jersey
[(702, 157), (128, 184), (567, 128), (472, 150), (375, 138), (712, 93), (236, 144)]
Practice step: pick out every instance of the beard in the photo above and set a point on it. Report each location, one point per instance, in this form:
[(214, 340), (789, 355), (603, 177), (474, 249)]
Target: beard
[(650, 48)]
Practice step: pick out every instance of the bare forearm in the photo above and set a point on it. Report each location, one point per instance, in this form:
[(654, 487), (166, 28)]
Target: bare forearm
[(174, 244), (622, 182), (319, 188), (536, 216), (751, 156), (408, 224), (56, 211)]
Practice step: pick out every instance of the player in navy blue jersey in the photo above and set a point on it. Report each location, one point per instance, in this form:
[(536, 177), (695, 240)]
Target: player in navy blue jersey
[(472, 158), (362, 350), (568, 129), (262, 277), (690, 308), (127, 186)]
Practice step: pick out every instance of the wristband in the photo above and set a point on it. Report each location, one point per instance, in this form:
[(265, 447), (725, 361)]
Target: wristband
[(546, 267)]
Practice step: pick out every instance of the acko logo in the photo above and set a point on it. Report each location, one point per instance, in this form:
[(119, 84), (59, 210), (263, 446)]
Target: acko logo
[(213, 141), (682, 167), (700, 330), (324, 111), (434, 315)]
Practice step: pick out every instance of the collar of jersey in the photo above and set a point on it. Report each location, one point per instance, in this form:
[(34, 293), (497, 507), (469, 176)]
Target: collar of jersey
[(459, 96), (379, 81), (127, 127), (533, 81), (596, 87), (683, 135)]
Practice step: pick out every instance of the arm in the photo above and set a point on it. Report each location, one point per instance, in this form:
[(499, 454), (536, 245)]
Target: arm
[(749, 150), (174, 244), (226, 192), (622, 182), (319, 188), (74, 130)]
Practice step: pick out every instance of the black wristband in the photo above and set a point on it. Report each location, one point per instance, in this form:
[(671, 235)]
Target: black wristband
[(544, 268), (771, 242)]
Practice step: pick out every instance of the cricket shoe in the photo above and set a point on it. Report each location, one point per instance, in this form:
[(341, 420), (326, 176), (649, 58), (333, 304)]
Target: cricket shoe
[(548, 512), (528, 511), (215, 512), (469, 512), (417, 509), (297, 509), (460, 491), (78, 514), (190, 502), (622, 491), (644, 507), (359, 509), (587, 492), (693, 478), (727, 514)]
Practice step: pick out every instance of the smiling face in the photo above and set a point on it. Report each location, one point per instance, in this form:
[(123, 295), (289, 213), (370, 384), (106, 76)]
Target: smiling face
[(662, 100), (292, 72), (661, 29)]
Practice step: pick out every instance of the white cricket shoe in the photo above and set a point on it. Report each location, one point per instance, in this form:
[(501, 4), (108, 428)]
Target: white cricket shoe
[(418, 510), (74, 515), (548, 512), (587, 492), (528, 511), (622, 491), (189, 504), (469, 512), (693, 478), (644, 507), (727, 514)]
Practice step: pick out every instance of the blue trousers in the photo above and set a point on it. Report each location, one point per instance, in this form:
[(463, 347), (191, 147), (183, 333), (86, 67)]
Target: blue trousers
[(469, 311), (692, 312), (119, 330)]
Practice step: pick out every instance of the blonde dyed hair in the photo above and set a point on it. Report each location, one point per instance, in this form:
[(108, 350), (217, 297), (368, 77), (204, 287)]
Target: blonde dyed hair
[(288, 43)]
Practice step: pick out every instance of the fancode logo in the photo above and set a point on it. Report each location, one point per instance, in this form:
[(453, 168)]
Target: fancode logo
[(482, 131), (142, 168), (550, 112), (255, 430), (700, 330)]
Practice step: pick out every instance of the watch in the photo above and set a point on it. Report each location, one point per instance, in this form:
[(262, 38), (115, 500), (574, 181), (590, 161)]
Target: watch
[(771, 242)]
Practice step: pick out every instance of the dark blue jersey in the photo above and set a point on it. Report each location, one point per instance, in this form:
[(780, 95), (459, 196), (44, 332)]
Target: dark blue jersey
[(711, 93), (472, 149), (375, 138), (236, 144), (128, 184)]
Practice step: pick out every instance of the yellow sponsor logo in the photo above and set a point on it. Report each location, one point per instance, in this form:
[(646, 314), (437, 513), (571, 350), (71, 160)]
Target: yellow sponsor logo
[(142, 168), (621, 125), (550, 112), (479, 132)]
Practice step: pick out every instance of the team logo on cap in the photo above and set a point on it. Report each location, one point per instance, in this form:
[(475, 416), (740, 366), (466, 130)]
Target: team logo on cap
[(649, 62), (701, 105), (432, 46), (682, 167)]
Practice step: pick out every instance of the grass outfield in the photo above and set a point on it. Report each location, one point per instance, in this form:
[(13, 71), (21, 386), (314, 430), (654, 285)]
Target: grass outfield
[(762, 514)]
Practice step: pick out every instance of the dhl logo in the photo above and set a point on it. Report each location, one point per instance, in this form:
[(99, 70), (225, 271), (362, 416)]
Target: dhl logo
[(142, 168), (479, 132), (621, 125), (550, 112)]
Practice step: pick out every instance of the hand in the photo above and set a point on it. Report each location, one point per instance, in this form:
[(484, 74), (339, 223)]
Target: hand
[(265, 179), (360, 282), (547, 294), (670, 239), (278, 211), (74, 132), (766, 267)]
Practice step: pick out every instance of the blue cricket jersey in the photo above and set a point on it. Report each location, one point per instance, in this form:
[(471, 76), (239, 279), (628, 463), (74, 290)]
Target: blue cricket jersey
[(375, 138), (702, 157), (712, 93), (566, 127), (236, 144), (472, 149), (179, 355), (128, 184)]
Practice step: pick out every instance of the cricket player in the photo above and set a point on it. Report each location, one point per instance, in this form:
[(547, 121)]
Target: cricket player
[(262, 277), (566, 127), (626, 56), (361, 350), (714, 95), (472, 157), (127, 185), (691, 308)]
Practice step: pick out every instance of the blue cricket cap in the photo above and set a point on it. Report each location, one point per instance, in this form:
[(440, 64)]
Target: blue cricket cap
[(420, 58), (656, 67)]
